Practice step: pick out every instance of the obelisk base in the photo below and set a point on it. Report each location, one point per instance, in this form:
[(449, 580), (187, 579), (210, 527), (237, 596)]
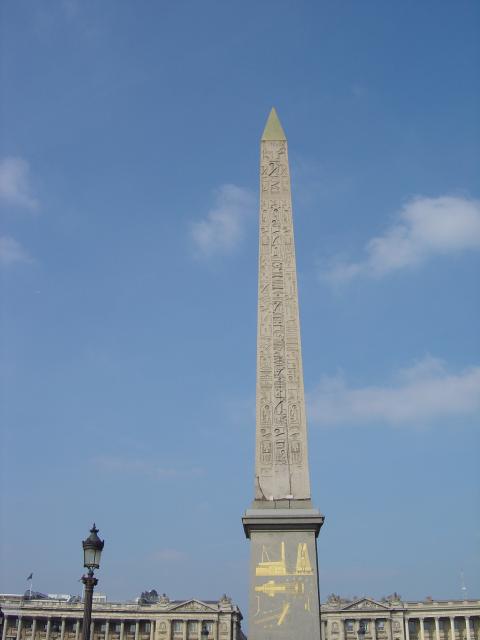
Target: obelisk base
[(284, 596)]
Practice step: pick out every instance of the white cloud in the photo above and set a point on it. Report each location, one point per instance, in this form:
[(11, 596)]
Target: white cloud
[(142, 466), (424, 227), (223, 227), (15, 183), (420, 394), (12, 251)]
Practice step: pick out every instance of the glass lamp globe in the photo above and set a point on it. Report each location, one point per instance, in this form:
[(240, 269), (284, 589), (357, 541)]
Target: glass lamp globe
[(92, 549)]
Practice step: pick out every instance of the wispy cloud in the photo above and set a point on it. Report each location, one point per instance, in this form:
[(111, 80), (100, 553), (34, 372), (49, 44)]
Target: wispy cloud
[(142, 466), (169, 555), (314, 182), (422, 393), (424, 227), (359, 90), (12, 252), (70, 8), (15, 183), (223, 228)]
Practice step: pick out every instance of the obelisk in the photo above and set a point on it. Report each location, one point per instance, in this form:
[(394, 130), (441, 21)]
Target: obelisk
[(282, 524)]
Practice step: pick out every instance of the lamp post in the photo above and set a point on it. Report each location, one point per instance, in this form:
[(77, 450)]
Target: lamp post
[(92, 551), (361, 630), (204, 632)]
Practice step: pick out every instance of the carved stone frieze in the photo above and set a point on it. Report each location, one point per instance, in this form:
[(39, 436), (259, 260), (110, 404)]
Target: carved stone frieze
[(192, 605)]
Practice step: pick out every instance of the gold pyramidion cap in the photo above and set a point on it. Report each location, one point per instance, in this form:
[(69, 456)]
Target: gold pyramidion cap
[(273, 129)]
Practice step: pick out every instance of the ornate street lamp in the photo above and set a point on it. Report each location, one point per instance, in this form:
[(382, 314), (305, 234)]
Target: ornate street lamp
[(204, 632), (92, 551)]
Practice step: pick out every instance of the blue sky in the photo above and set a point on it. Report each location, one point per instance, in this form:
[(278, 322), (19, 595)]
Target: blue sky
[(128, 254)]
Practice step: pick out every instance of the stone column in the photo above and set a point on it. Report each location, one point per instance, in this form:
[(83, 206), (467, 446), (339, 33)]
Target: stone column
[(34, 628), (341, 626), (452, 627), (122, 629), (185, 626), (235, 628), (407, 628), (437, 628), (5, 625), (374, 629), (49, 626), (422, 629), (152, 629), (19, 627), (467, 626), (92, 629), (107, 628), (62, 629), (77, 630), (137, 629), (389, 628), (169, 629)]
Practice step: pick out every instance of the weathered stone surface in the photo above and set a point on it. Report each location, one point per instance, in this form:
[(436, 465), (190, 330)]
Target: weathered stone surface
[(281, 466), (282, 524)]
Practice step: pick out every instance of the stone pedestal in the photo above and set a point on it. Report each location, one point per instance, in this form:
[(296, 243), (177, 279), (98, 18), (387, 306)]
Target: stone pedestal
[(284, 595)]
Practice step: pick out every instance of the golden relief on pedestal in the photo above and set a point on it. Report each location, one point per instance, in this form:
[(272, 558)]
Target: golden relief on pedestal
[(303, 566), (271, 588), (274, 617), (289, 587), (267, 567)]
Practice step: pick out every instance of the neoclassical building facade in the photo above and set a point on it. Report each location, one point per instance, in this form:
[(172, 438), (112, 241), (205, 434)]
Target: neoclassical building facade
[(50, 619), (394, 619), (360, 619)]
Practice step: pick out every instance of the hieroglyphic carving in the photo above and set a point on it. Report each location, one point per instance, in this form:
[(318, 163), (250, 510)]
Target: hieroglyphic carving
[(266, 452), (281, 465), (295, 452)]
